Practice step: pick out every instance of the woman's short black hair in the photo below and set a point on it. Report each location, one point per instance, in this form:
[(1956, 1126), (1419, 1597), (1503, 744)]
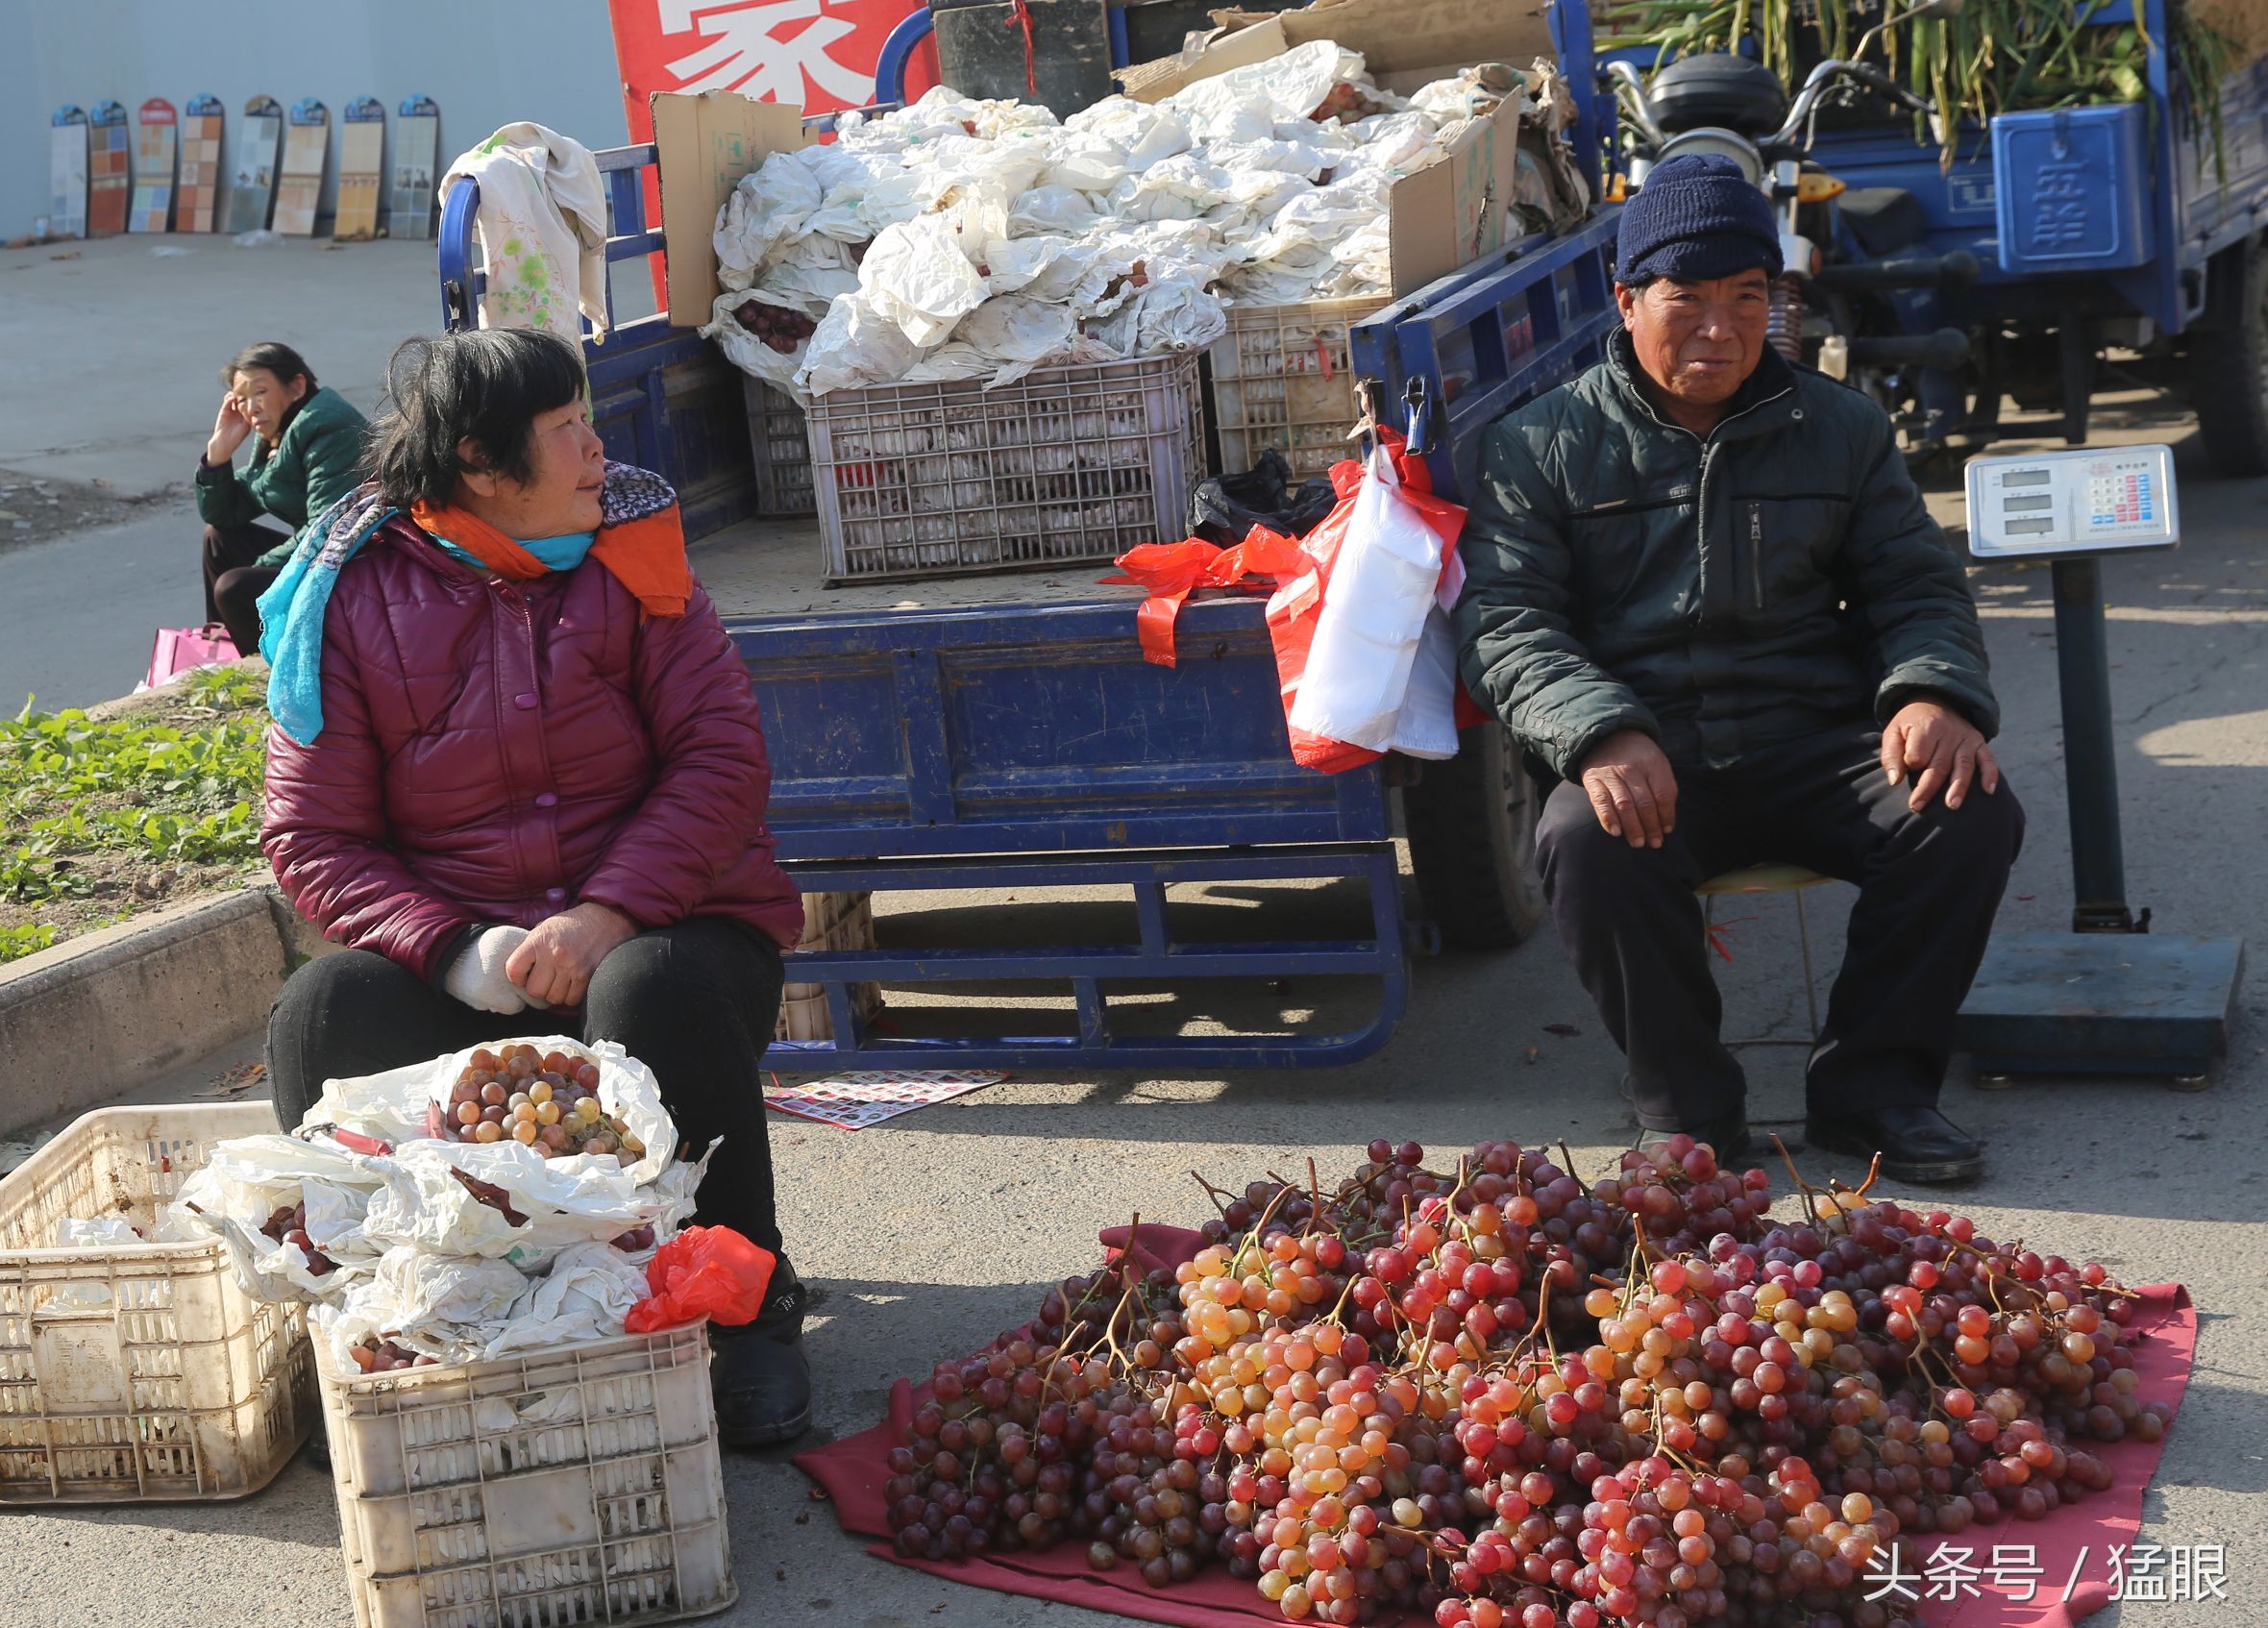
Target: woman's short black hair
[(277, 357), (486, 386)]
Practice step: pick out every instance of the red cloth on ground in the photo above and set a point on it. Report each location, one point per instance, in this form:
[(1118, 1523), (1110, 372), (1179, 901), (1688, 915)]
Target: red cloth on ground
[(853, 1470)]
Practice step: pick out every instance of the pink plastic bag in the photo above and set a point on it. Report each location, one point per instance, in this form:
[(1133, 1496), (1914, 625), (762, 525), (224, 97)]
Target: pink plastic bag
[(178, 649)]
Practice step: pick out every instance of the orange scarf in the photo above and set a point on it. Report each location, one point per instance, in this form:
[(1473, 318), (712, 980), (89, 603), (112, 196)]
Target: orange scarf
[(647, 555)]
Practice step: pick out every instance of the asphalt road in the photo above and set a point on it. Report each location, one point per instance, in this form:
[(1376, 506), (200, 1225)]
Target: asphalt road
[(927, 1235), (82, 610)]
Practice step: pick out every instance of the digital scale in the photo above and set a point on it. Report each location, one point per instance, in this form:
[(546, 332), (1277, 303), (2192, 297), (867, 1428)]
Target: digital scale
[(2118, 499), (2108, 997)]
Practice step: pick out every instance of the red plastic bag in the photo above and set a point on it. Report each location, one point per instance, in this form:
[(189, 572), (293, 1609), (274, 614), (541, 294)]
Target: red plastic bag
[(1173, 571), (705, 1271), (1297, 608)]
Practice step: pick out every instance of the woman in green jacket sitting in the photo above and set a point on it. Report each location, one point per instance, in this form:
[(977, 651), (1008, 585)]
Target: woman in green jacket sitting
[(307, 457)]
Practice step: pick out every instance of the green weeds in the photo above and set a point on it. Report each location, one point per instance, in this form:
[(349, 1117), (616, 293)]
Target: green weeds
[(78, 796)]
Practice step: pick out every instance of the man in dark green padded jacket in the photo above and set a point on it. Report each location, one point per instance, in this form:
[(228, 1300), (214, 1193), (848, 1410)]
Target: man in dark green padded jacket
[(1703, 589), (306, 456)]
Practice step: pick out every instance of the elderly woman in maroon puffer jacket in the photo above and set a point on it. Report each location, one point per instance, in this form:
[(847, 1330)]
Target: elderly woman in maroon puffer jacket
[(517, 763)]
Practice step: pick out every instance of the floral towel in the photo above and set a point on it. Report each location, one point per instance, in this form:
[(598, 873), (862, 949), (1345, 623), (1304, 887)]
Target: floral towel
[(543, 230)]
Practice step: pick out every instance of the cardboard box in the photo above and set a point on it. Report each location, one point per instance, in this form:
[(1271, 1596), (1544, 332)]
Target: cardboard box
[(1454, 210), (704, 145)]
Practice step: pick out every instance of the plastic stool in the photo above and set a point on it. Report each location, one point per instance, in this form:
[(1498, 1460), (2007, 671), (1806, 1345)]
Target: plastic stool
[(1771, 879)]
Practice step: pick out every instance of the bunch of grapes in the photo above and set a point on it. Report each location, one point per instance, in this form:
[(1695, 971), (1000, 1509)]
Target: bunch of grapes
[(988, 1461), (383, 1356), (779, 326), (546, 1101), (1504, 1396), (1154, 1493), (288, 1224)]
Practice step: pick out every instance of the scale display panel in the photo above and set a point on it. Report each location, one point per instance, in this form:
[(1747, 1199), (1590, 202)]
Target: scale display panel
[(2089, 501)]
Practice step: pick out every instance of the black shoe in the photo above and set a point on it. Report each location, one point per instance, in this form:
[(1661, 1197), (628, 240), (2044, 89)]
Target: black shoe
[(757, 1372), (1918, 1145)]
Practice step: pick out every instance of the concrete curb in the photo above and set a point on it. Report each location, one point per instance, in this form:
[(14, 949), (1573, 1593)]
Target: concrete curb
[(80, 1021), (165, 694)]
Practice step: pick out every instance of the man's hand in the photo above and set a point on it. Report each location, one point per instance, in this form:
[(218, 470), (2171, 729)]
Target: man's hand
[(557, 959), (1632, 788), (229, 429), (1941, 749)]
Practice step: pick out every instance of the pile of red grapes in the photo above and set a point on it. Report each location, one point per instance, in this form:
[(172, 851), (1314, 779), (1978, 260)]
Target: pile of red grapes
[(1507, 1398), (288, 1224), (546, 1101), (383, 1356), (779, 326)]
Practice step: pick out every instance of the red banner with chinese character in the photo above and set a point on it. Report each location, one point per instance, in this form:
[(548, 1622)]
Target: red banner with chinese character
[(820, 53), (817, 54)]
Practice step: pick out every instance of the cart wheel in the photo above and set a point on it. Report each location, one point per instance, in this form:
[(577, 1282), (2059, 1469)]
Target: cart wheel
[(2191, 1083), (1993, 1082), (1471, 823), (2229, 363)]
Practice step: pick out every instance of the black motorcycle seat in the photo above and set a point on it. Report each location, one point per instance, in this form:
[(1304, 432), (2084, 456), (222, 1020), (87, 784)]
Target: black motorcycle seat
[(1722, 91)]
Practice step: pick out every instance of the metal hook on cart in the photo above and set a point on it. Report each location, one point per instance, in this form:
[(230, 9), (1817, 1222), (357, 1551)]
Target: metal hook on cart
[(1420, 416)]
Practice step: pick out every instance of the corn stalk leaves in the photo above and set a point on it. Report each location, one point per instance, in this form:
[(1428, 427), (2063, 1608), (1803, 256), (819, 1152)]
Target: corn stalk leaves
[(1994, 57)]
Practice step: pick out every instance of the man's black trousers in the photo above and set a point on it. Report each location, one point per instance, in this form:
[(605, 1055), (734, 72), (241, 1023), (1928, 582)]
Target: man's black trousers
[(1928, 884), (695, 1002)]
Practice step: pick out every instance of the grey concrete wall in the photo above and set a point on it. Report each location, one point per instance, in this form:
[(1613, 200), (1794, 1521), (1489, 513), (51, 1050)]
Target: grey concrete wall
[(486, 62)]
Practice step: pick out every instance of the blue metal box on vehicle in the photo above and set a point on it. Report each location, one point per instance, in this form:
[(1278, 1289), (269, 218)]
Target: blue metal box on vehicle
[(2073, 188)]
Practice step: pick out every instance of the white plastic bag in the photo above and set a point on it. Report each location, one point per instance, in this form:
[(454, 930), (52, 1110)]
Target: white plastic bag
[(1381, 598), (1248, 101), (1044, 210), (769, 206), (437, 1305), (855, 344), (103, 1232), (247, 1180), (1014, 332), (916, 274), (749, 354), (585, 1294), (425, 1203)]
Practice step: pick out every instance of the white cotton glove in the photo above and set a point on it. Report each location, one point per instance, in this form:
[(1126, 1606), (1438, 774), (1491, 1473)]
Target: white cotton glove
[(477, 976)]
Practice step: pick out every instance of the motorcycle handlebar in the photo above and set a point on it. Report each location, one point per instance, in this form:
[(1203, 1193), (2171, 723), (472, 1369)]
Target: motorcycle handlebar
[(1815, 85), (1631, 91)]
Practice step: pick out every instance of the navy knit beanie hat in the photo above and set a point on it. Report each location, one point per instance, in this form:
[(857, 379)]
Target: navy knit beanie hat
[(1696, 217)]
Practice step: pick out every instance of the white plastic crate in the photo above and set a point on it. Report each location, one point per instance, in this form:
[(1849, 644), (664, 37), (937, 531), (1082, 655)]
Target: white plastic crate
[(780, 445), (137, 1374), (832, 920), (580, 1486), (1283, 377), (1068, 464)]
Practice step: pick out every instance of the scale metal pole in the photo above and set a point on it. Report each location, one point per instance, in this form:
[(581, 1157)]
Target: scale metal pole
[(2090, 764)]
